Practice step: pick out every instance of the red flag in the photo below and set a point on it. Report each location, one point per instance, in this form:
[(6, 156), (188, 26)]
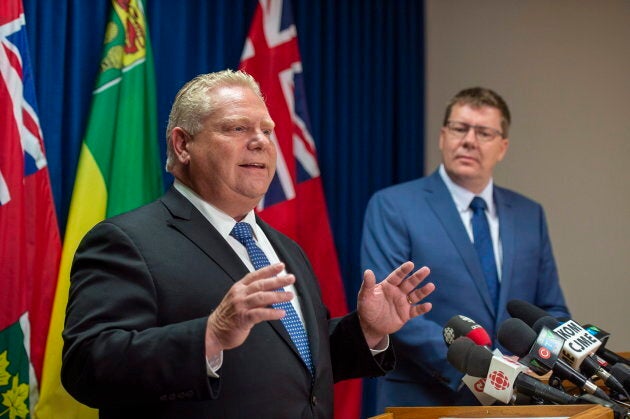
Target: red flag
[(29, 236), (295, 203)]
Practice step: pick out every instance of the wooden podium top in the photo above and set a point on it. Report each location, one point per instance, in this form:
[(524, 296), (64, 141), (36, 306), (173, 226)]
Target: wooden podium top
[(582, 411)]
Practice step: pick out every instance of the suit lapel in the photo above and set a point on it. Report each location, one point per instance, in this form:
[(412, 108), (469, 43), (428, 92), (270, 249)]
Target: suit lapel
[(507, 234), (192, 224), (441, 202)]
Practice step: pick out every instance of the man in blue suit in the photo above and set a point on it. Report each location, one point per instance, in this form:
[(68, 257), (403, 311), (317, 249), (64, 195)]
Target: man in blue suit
[(429, 221)]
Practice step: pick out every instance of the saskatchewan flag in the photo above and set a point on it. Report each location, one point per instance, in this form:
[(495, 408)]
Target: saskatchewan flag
[(118, 170)]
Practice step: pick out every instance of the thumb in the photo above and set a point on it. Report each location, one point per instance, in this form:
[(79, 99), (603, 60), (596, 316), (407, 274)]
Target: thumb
[(369, 281)]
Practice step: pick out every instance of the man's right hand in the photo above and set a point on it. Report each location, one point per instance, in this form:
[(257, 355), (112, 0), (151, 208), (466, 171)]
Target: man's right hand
[(247, 303)]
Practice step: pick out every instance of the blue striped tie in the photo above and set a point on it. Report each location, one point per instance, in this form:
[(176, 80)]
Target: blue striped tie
[(243, 233), (483, 246)]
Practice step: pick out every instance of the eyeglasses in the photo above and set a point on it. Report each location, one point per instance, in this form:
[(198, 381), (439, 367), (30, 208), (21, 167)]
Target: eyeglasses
[(458, 130)]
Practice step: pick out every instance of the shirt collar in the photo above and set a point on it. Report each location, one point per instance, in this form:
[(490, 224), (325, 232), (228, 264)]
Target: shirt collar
[(219, 219), (463, 197)]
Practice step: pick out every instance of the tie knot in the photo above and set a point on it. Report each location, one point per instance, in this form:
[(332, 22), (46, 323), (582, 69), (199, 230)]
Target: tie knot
[(242, 231), (478, 204)]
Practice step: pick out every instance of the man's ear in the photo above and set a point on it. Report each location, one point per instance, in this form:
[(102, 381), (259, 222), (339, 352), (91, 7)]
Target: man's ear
[(179, 142)]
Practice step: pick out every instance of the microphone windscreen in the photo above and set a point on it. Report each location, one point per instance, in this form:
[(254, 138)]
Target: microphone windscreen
[(548, 321), (457, 354), (459, 325), (516, 336), (478, 361), (525, 311), (480, 336)]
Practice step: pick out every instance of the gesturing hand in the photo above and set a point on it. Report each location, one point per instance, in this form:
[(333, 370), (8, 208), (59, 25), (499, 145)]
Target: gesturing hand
[(385, 307), (246, 303)]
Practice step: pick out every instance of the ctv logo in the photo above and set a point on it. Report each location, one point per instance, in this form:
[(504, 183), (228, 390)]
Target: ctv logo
[(499, 380)]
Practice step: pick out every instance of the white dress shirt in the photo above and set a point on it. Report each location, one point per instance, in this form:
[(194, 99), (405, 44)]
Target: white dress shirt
[(462, 198)]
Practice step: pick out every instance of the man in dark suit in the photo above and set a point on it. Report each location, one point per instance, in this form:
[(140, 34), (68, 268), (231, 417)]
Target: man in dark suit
[(170, 312), (430, 221)]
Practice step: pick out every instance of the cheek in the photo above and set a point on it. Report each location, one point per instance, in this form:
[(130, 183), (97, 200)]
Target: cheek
[(441, 143)]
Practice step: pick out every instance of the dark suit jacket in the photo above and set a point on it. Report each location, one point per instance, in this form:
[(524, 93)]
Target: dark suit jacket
[(142, 287), (418, 221)]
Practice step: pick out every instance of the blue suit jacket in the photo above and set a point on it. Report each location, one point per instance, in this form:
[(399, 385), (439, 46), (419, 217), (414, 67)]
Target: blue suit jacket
[(418, 221)]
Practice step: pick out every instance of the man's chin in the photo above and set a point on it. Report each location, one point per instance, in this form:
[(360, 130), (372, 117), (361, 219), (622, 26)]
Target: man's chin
[(464, 170)]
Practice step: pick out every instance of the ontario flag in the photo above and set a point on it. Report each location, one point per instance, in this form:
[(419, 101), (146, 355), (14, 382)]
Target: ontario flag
[(29, 236), (295, 202)]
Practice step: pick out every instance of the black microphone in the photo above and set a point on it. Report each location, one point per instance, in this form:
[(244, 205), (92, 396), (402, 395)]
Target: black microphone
[(503, 377), (475, 379), (540, 352), (459, 326), (459, 354), (574, 350), (530, 313), (622, 373), (525, 311), (607, 355)]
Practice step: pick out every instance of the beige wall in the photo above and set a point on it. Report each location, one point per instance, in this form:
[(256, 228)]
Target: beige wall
[(563, 66)]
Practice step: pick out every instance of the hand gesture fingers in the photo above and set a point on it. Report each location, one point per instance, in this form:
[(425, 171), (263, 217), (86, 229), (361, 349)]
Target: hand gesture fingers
[(385, 307), (247, 303)]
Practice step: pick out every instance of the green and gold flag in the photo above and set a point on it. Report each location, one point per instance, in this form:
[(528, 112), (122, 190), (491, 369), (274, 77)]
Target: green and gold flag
[(118, 170)]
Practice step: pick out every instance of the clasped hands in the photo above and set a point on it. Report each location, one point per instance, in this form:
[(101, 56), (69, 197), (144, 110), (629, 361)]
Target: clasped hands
[(383, 308)]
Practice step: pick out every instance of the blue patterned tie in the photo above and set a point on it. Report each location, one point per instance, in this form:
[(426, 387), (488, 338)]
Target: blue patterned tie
[(483, 245), (243, 233)]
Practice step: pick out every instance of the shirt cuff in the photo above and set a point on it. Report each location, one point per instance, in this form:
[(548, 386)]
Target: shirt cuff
[(382, 347), (213, 364)]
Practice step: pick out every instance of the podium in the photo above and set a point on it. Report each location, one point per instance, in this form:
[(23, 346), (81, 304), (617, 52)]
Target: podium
[(576, 411)]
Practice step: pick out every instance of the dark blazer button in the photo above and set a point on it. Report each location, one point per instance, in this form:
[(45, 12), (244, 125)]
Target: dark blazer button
[(313, 400)]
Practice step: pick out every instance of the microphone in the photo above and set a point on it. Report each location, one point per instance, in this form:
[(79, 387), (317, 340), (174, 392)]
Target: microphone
[(503, 377), (622, 373), (459, 326), (577, 350), (525, 311), (458, 355), (529, 313), (578, 346), (540, 352), (462, 354), (606, 354)]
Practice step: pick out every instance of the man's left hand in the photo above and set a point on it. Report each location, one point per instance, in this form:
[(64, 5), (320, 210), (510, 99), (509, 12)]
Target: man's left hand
[(385, 307)]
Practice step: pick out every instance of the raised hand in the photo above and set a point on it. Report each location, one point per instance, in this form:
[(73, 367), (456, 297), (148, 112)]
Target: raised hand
[(385, 307), (247, 303)]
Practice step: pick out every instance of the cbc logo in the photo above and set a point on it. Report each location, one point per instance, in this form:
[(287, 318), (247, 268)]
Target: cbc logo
[(499, 380), (479, 385)]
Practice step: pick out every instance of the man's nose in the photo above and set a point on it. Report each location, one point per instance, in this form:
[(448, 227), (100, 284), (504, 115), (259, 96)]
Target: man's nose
[(260, 140), (470, 139)]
